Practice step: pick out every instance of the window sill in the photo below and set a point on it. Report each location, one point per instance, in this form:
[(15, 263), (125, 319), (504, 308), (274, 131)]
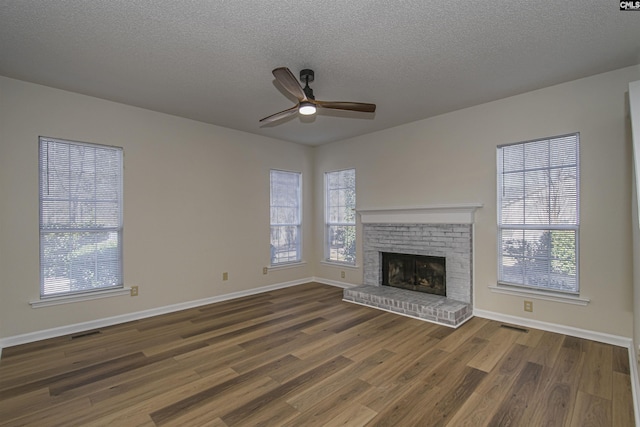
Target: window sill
[(68, 299), (542, 295), (339, 264), (287, 265)]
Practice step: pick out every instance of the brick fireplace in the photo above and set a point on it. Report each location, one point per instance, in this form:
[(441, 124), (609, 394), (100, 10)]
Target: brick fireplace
[(435, 231)]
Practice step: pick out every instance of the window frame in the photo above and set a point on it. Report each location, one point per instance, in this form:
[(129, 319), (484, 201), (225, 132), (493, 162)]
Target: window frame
[(296, 224), (328, 224), (573, 227), (91, 292)]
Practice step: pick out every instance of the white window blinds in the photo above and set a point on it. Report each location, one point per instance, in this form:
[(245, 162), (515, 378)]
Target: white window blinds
[(80, 217), (286, 217), (538, 213), (340, 216)]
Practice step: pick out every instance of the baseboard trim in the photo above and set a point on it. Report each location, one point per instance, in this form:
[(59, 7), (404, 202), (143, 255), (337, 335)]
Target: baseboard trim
[(554, 327), (580, 333), (110, 321), (551, 327), (335, 283), (635, 380), (560, 329)]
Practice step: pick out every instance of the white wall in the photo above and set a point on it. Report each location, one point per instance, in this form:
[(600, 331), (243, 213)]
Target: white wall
[(634, 112), (452, 159), (196, 203), (196, 196)]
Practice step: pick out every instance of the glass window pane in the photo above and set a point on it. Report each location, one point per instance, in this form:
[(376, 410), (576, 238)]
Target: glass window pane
[(512, 270), (284, 244), (340, 216), (513, 198), (285, 216), (538, 195), (342, 243), (80, 196)]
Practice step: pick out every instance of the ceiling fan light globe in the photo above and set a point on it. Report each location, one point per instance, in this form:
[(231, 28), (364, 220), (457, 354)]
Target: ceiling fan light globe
[(307, 109)]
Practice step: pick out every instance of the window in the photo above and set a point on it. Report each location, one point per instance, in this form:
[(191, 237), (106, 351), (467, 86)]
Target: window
[(538, 213), (286, 218), (340, 216), (80, 217)]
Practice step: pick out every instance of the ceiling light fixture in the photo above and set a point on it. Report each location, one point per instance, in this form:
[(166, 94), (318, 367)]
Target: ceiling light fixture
[(307, 108), (307, 104)]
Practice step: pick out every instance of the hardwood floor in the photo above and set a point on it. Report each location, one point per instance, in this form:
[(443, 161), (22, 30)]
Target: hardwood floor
[(302, 357)]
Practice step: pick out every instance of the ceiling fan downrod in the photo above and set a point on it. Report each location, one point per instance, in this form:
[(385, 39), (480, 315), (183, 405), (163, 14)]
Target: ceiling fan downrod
[(307, 103), (307, 76)]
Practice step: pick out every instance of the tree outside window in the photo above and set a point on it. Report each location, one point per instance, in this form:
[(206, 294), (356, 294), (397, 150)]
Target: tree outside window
[(80, 217), (538, 205), (286, 218), (340, 222)]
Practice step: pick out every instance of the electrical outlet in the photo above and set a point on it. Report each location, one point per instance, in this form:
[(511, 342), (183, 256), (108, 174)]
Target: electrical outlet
[(134, 291), (265, 270), (528, 306), (225, 276), (342, 275)]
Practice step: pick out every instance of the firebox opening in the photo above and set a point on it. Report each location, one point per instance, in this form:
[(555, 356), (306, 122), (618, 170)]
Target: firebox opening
[(414, 272)]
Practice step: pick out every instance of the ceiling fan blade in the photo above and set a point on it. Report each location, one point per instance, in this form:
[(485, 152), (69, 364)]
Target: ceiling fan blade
[(288, 81), (281, 115), (350, 106)]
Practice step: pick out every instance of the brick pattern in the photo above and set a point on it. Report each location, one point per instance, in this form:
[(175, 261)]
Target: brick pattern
[(452, 241), (433, 308)]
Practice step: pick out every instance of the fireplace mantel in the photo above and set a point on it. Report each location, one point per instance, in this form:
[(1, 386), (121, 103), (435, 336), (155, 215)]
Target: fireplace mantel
[(462, 213)]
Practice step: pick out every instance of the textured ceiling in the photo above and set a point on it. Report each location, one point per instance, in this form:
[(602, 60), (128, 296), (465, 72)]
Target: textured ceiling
[(212, 60)]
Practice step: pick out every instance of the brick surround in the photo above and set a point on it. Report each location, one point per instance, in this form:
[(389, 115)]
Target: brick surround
[(452, 241)]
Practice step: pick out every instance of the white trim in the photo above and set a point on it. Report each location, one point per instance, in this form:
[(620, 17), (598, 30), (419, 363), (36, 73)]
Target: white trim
[(580, 333), (327, 207), (286, 265), (68, 299), (635, 382), (539, 294), (567, 330), (337, 284), (298, 224), (462, 213), (634, 113), (44, 144), (338, 264), (115, 320), (554, 327)]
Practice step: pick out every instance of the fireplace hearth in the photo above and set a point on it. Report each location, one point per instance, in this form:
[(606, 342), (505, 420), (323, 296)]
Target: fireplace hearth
[(432, 231), (414, 272)]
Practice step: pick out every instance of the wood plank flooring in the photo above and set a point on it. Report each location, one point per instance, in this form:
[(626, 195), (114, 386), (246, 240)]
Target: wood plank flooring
[(302, 357)]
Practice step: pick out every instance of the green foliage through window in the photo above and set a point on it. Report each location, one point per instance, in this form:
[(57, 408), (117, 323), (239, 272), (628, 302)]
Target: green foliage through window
[(340, 239), (80, 217), (538, 213)]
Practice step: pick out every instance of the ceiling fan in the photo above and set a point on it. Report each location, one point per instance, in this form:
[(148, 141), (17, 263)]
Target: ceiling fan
[(307, 103)]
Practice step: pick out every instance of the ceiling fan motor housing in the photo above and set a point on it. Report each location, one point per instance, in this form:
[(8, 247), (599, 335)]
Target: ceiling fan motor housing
[(307, 103), (306, 75)]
